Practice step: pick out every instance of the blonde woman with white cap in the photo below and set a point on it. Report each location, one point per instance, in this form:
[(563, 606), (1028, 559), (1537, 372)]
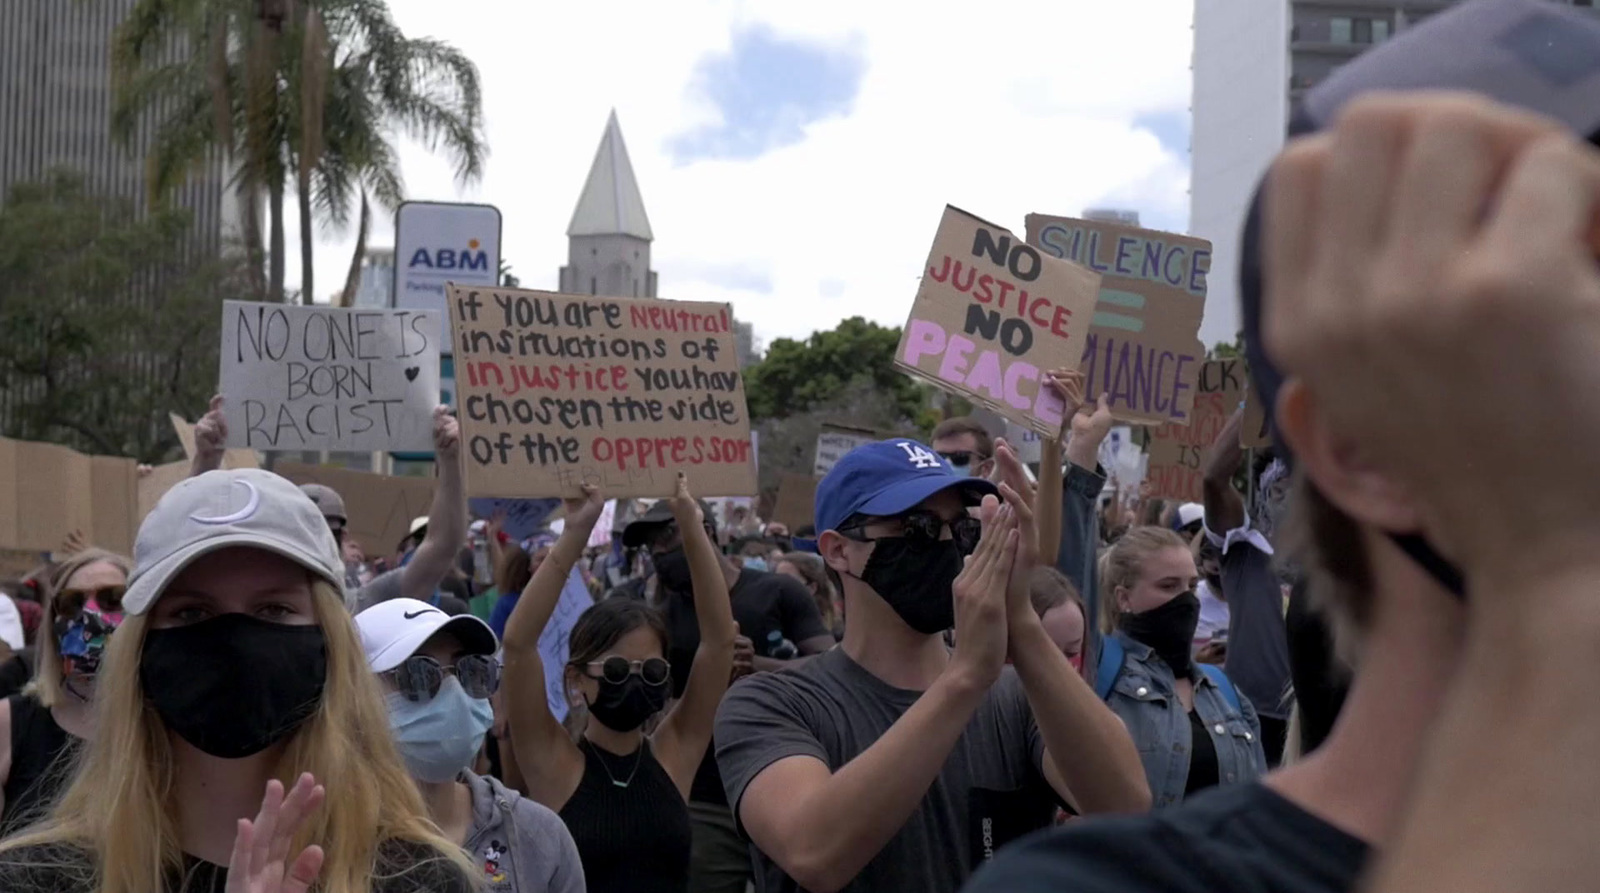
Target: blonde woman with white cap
[(236, 671), (438, 672)]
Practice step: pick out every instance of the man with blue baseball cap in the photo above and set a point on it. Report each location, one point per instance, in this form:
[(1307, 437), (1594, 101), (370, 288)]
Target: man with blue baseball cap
[(1421, 304), (895, 762)]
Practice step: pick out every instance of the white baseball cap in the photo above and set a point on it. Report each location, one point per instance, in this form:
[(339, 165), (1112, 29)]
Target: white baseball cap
[(219, 509), (1190, 512), (11, 624), (392, 631)]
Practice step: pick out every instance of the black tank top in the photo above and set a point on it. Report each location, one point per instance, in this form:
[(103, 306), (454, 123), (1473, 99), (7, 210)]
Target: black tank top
[(36, 744), (632, 839)]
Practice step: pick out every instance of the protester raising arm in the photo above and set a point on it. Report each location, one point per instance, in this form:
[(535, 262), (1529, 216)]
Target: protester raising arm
[(1224, 506), (1047, 508), (447, 519), (550, 762), (1079, 545), (822, 828), (210, 440), (1089, 757), (683, 736)]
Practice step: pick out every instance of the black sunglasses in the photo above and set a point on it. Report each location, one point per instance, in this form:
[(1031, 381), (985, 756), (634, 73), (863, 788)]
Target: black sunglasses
[(420, 677), (963, 458), (924, 528), (616, 670)]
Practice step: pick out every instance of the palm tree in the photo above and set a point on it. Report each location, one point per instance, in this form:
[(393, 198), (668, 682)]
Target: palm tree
[(317, 87)]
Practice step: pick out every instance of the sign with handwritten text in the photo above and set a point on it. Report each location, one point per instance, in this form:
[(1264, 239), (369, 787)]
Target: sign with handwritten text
[(561, 390), (1143, 348), (994, 315), (328, 378), (833, 441), (1176, 467)]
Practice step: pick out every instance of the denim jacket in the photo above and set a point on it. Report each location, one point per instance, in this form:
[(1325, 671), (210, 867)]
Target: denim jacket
[(1145, 698)]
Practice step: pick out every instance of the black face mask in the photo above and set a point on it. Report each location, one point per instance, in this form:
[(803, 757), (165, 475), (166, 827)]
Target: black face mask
[(234, 685), (673, 570), (623, 707), (916, 578), (1168, 630)]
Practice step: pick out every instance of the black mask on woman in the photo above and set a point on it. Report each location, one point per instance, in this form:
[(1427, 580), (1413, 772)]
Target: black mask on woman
[(623, 707), (234, 685), (1168, 630), (916, 578), (673, 569)]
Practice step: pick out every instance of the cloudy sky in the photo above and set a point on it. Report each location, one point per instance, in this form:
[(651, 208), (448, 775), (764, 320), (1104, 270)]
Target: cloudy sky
[(794, 157)]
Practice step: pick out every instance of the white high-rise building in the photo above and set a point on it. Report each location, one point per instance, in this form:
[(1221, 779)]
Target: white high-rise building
[(1241, 112)]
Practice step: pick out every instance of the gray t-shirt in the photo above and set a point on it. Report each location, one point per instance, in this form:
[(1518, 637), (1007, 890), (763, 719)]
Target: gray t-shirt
[(991, 790), (382, 588)]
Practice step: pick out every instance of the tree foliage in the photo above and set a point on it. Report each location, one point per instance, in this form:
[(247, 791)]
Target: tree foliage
[(107, 327), (798, 376)]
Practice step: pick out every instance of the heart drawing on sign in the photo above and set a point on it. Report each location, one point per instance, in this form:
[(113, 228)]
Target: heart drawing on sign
[(411, 374)]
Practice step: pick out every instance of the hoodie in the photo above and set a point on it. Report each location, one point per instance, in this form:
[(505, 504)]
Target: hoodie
[(522, 846)]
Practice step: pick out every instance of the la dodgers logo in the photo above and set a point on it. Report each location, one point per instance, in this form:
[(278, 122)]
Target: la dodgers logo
[(919, 455)]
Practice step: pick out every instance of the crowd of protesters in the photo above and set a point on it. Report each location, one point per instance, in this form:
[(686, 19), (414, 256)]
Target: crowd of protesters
[(963, 673)]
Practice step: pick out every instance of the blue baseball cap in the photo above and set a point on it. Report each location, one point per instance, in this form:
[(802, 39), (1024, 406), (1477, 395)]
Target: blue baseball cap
[(884, 479)]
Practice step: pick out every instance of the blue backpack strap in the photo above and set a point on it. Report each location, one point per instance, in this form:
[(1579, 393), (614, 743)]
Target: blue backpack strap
[(1223, 684), (1110, 666)]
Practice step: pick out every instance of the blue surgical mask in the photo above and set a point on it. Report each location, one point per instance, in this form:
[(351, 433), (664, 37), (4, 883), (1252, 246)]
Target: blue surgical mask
[(961, 471), (439, 737), (756, 564)]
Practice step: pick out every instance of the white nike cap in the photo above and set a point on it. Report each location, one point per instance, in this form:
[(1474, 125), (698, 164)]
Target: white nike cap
[(11, 624), (219, 509), (392, 631)]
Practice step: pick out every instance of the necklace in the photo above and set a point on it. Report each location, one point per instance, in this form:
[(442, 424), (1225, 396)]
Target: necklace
[(638, 758)]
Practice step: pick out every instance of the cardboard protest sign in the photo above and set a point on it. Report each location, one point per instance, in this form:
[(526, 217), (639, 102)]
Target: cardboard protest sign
[(522, 518), (48, 491), (992, 316), (1255, 430), (230, 458), (380, 507), (155, 485), (561, 390), (1143, 348), (796, 506), (833, 441), (1175, 449), (329, 378), (17, 563)]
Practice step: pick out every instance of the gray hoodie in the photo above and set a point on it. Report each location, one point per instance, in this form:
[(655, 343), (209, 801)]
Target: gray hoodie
[(521, 846)]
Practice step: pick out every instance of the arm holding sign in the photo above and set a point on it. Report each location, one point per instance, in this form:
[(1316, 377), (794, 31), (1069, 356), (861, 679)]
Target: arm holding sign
[(685, 734), (1046, 501), (210, 440), (447, 519), (551, 763), (1224, 505)]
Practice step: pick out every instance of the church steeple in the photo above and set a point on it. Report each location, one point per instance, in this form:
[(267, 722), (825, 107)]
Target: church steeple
[(608, 241), (610, 204)]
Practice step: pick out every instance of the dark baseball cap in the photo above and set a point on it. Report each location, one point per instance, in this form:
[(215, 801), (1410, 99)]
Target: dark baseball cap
[(1528, 53), (656, 517)]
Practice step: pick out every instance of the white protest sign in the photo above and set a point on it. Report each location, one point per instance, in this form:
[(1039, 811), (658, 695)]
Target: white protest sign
[(833, 441), (327, 378), (555, 642)]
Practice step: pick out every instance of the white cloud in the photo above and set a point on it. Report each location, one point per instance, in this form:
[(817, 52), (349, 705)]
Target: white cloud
[(1003, 109)]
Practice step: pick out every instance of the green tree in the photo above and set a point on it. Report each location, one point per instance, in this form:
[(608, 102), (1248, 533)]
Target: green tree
[(1222, 350), (797, 376), (108, 327), (317, 89)]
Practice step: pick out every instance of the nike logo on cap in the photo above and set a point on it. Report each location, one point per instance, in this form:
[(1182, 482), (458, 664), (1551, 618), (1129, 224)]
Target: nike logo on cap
[(412, 615)]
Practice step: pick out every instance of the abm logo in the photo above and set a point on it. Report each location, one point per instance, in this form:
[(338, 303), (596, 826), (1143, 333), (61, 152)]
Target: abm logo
[(470, 258)]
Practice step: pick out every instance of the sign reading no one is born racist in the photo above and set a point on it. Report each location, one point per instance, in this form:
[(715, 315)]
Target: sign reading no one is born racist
[(557, 391), (327, 378), (993, 315), (1143, 348)]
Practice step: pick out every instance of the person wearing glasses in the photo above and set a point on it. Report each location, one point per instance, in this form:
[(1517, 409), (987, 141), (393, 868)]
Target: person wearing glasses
[(82, 607), (966, 445), (623, 795), (438, 672), (895, 762), (779, 625)]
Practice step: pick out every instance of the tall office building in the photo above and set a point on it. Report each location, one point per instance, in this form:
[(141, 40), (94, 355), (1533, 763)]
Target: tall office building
[(55, 112), (1252, 60)]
